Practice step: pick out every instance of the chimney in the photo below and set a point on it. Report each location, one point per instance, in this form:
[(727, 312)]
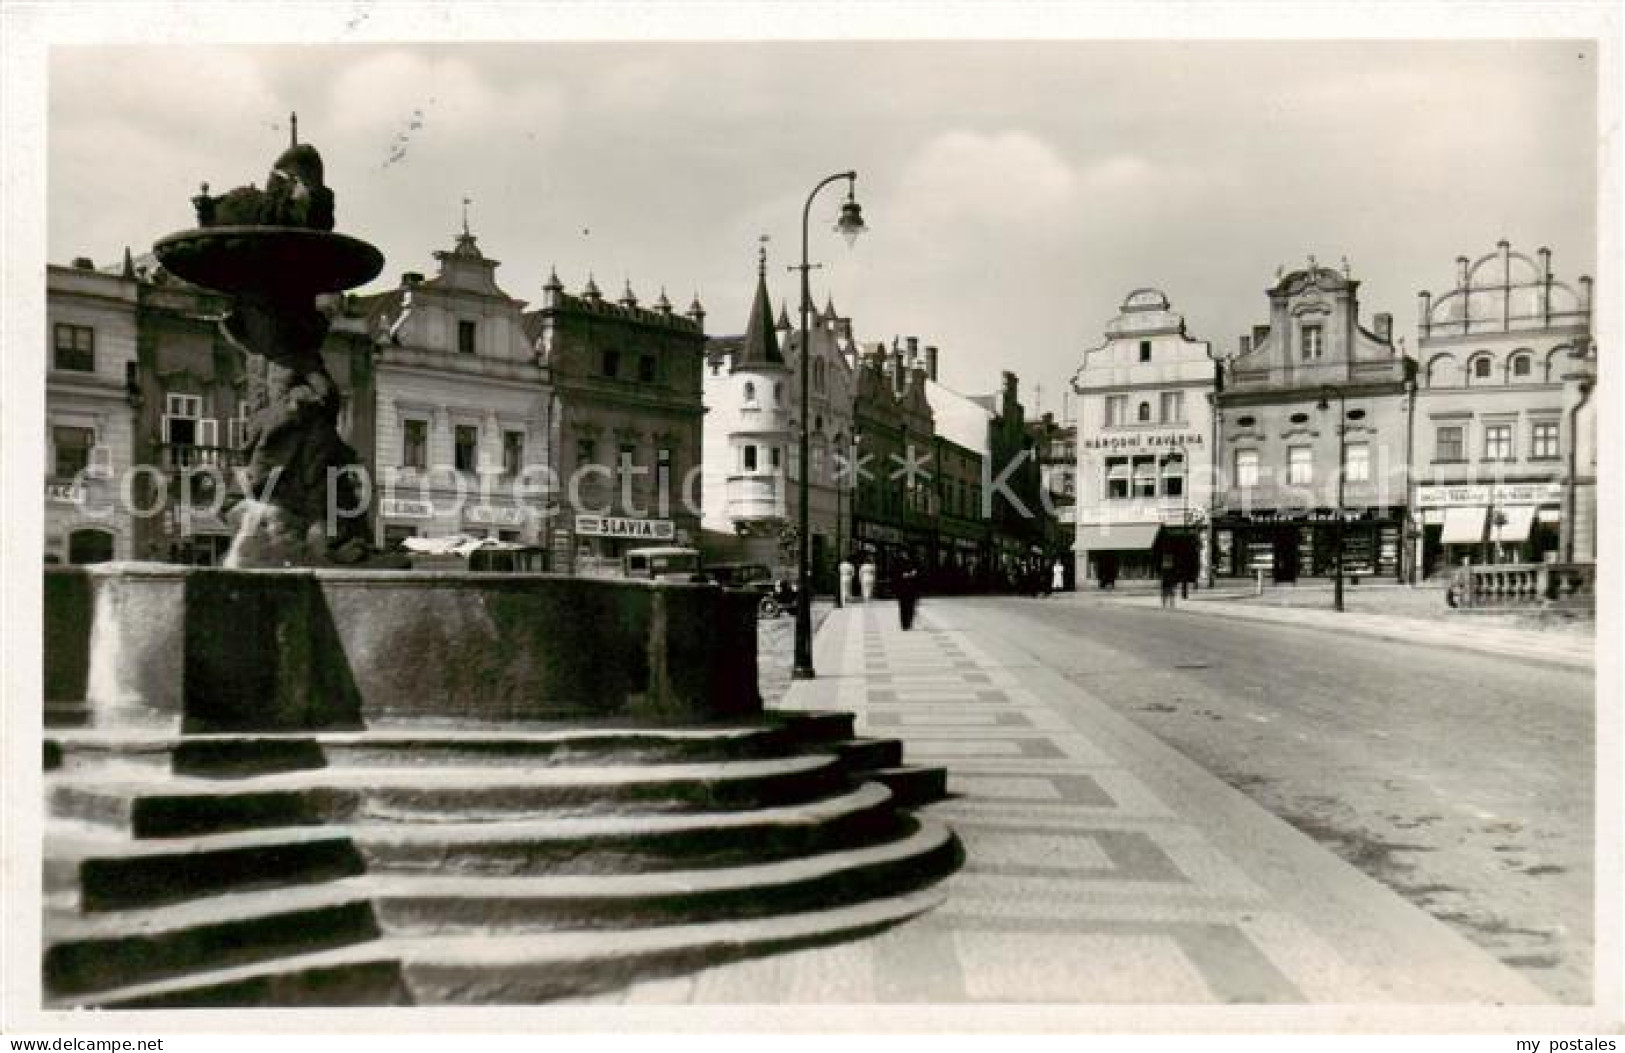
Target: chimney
[(1384, 327), (931, 361), (1246, 344)]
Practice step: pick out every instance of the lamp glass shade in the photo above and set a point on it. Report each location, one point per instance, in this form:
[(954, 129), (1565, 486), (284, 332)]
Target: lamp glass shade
[(851, 224)]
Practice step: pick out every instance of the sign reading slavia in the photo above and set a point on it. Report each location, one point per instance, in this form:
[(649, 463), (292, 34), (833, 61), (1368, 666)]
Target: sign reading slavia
[(621, 526), (1143, 440)]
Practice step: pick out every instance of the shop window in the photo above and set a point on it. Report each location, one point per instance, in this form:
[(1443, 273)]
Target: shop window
[(415, 444), (1450, 444), (1313, 342), (1173, 486), (75, 348), (1498, 442), (71, 447), (1246, 467), (465, 337), (90, 546), (1300, 465), (465, 449), (1357, 463), (513, 452), (1543, 440)]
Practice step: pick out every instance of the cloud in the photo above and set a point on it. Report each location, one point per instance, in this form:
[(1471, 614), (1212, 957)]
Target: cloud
[(966, 178)]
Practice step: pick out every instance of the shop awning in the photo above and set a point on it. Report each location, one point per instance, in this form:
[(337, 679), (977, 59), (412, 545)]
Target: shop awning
[(1118, 537), (1464, 526), (1515, 531)]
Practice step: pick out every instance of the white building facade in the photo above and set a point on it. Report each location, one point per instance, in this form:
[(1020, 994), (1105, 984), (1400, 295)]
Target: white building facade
[(466, 418), (1144, 445)]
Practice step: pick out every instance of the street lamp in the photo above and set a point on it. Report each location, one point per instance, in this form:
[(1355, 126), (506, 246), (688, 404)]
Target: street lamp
[(850, 225), (1326, 395)]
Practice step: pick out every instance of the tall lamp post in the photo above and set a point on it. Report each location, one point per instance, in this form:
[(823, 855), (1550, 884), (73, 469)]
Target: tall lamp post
[(850, 225), (1326, 395)]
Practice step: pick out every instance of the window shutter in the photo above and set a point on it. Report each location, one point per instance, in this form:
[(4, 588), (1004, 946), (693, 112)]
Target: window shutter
[(208, 432)]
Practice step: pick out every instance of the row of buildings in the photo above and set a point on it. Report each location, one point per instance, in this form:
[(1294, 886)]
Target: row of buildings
[(582, 426), (1318, 434)]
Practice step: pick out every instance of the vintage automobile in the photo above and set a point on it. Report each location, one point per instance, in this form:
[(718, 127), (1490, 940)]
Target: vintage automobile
[(662, 563), (776, 594)]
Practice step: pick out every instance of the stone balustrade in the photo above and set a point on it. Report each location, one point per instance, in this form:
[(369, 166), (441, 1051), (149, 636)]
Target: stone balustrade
[(1560, 586)]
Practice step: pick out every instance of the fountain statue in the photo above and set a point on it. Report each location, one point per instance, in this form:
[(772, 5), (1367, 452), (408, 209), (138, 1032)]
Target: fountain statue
[(274, 251)]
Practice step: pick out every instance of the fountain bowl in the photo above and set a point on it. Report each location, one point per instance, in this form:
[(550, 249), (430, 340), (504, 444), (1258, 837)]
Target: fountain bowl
[(282, 262)]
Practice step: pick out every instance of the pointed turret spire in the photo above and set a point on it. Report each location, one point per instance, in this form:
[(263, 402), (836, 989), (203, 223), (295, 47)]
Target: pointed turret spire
[(761, 341), (129, 265), (784, 317), (829, 309), (662, 304), (696, 310), (293, 128), (628, 297), (590, 292), (553, 283)]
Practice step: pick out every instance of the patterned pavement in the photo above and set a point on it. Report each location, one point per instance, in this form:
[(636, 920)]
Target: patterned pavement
[(1102, 868)]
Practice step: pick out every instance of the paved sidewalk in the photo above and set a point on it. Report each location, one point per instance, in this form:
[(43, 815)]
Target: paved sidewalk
[(1103, 868), (1446, 630)]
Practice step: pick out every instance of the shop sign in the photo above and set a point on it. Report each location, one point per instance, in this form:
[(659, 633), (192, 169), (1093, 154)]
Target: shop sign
[(395, 508), (622, 526), (68, 493), (495, 516), (1299, 515), (1143, 440), (1485, 494)]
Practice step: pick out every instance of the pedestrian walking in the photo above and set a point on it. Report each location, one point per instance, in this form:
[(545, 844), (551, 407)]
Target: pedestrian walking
[(1170, 580), (1057, 580), (907, 588)]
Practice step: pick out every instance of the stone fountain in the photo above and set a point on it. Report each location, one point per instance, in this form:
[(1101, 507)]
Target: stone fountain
[(275, 252), (305, 779)]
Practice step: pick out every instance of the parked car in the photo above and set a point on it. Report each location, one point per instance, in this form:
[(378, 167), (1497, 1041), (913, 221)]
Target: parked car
[(663, 563), (776, 593)]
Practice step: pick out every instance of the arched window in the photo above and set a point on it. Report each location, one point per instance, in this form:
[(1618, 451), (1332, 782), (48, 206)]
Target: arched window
[(1521, 366), (1481, 367), (1145, 413), (750, 392)]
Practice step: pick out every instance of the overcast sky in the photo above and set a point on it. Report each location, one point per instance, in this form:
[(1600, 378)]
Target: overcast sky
[(1016, 191)]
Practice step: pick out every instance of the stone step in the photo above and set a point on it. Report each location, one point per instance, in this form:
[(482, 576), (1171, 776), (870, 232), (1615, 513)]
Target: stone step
[(529, 968), (866, 754), (110, 872), (87, 954), (230, 756), (913, 785), (113, 875), (182, 806)]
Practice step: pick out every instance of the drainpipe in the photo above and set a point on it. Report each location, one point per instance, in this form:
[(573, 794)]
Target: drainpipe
[(1571, 492)]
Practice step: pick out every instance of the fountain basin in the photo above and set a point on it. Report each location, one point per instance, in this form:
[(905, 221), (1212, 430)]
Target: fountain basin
[(281, 262)]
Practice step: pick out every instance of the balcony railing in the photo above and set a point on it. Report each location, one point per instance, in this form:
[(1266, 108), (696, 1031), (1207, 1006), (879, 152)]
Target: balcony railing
[(185, 455), (1513, 586)]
